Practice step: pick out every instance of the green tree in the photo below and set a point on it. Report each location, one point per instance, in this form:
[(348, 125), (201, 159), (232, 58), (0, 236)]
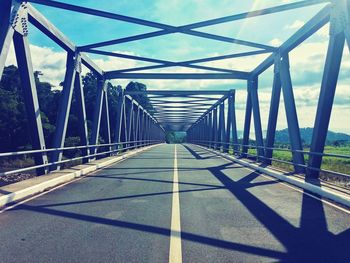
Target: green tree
[(140, 98)]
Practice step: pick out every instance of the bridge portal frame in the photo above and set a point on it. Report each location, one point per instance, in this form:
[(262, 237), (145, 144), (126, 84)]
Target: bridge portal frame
[(15, 16)]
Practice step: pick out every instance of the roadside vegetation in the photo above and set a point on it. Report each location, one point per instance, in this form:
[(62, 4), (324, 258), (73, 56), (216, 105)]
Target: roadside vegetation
[(340, 165), (14, 126)]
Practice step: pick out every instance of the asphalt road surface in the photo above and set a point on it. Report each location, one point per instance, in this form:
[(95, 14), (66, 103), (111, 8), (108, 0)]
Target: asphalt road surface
[(175, 205)]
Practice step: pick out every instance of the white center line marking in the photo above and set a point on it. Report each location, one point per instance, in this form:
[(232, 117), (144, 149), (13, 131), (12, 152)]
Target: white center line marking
[(175, 253)]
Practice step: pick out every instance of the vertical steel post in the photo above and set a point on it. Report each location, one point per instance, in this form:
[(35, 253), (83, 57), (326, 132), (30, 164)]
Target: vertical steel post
[(147, 128), (142, 127), (210, 129), (137, 126), (31, 99), (328, 87), (119, 118), (221, 125), (64, 110), (81, 112), (273, 114), (106, 128), (234, 122), (96, 124), (134, 125), (231, 132), (291, 112), (129, 120), (207, 130), (228, 125), (246, 130), (215, 128), (253, 87), (124, 125)]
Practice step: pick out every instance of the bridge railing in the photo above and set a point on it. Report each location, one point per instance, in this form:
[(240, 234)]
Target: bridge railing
[(113, 149), (238, 150)]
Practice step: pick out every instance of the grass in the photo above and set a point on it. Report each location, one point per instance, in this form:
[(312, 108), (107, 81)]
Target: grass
[(340, 165)]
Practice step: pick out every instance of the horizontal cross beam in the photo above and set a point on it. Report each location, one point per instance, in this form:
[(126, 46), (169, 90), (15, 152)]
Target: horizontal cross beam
[(165, 29), (238, 75), (178, 93)]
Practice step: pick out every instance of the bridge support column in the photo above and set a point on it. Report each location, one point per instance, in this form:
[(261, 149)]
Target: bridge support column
[(64, 110), (205, 130), (142, 118), (291, 112), (129, 118), (231, 132), (210, 129), (31, 99), (148, 129), (106, 127), (246, 130), (81, 111), (221, 132), (274, 106), (137, 126), (100, 112), (215, 129), (119, 119), (328, 87), (253, 89)]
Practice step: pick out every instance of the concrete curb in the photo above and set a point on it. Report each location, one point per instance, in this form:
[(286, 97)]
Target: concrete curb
[(30, 187), (323, 192)]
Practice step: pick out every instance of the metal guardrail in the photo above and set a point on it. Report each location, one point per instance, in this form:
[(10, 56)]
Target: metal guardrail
[(118, 149), (236, 148)]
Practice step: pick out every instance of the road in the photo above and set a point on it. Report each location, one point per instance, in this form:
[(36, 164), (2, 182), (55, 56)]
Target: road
[(129, 212)]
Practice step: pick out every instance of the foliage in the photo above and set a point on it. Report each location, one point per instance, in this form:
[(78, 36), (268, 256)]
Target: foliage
[(175, 137), (14, 127), (141, 98), (282, 136)]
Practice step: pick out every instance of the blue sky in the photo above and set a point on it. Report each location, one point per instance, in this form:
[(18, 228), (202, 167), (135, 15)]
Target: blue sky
[(307, 61)]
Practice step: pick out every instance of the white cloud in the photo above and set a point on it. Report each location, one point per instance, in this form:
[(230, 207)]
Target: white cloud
[(296, 25), (324, 31), (275, 42), (51, 63)]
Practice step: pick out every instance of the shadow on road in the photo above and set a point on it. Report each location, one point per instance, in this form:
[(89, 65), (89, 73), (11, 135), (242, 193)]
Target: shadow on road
[(311, 242)]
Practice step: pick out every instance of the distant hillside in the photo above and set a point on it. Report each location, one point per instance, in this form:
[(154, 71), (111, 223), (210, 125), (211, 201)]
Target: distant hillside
[(282, 136)]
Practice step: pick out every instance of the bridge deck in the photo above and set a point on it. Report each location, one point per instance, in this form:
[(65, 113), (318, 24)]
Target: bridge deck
[(123, 214)]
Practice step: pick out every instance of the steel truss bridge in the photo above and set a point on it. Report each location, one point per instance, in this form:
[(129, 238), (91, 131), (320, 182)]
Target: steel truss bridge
[(208, 117)]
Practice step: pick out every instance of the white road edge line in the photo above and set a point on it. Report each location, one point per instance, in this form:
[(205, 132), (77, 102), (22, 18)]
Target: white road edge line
[(59, 186), (175, 250)]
